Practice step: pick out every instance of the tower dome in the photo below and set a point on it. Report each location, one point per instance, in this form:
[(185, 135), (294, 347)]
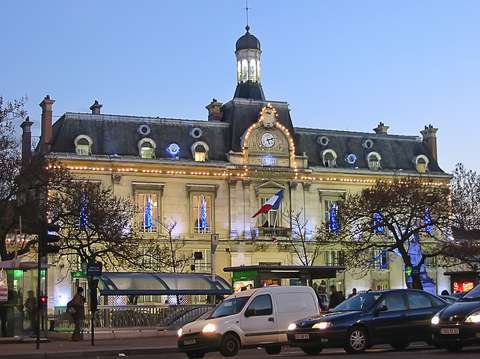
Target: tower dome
[(247, 51), (247, 41)]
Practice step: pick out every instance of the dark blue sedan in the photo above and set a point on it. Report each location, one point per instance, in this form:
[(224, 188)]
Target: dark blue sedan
[(395, 317), (459, 324)]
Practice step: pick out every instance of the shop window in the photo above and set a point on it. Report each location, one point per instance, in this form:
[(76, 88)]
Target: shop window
[(148, 211), (202, 216), (83, 145), (146, 148), (374, 161), (330, 208)]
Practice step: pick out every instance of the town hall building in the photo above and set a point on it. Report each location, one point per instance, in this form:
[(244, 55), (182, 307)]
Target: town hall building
[(211, 176)]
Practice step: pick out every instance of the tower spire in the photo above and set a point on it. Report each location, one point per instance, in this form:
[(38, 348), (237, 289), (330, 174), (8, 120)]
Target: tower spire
[(247, 27)]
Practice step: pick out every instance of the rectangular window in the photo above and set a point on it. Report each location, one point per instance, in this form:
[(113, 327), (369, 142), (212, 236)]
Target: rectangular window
[(271, 219), (148, 211), (202, 217), (334, 258), (380, 259), (328, 204)]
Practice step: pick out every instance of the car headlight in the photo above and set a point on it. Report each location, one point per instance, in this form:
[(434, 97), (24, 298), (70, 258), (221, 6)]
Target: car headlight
[(473, 318), (321, 325), (292, 326), (179, 332), (209, 328), (436, 319)]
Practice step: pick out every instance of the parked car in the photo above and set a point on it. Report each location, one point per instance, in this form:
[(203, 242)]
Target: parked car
[(252, 318), (459, 324), (449, 298), (395, 317)]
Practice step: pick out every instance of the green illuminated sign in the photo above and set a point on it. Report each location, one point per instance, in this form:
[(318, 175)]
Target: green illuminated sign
[(78, 274), (17, 273), (408, 270), (244, 275)]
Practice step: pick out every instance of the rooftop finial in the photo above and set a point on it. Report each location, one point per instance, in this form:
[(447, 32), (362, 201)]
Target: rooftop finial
[(246, 15)]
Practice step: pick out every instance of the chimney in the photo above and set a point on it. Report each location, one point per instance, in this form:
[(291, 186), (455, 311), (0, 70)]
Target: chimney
[(95, 108), (214, 110), (46, 134), (430, 140), (26, 142), (381, 129)]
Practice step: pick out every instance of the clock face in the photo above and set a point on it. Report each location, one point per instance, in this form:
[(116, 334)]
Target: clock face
[(268, 140)]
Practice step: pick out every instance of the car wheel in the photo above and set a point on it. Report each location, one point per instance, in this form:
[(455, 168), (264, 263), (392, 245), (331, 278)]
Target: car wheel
[(230, 345), (454, 347), (356, 340), (273, 349), (195, 355), (399, 344), (312, 350)]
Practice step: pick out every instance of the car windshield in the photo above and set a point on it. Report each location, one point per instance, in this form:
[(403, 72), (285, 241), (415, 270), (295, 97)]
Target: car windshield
[(360, 302), (229, 307), (473, 294)]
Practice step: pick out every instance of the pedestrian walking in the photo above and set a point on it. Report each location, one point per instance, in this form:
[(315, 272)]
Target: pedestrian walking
[(335, 297), (76, 308), (31, 310), (353, 294)]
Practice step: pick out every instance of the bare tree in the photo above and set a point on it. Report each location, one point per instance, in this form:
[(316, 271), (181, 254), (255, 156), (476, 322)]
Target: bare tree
[(21, 184), (95, 225), (167, 251), (303, 241), (464, 246), (397, 216)]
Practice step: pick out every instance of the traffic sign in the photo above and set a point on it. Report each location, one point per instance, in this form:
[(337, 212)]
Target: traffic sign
[(94, 269)]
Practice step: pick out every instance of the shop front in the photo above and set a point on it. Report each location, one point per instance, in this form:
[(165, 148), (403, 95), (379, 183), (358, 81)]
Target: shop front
[(18, 300), (462, 281)]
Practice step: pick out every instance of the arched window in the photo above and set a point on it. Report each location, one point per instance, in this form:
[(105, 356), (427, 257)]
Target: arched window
[(421, 163), (329, 158), (244, 70), (83, 145), (200, 151), (146, 148), (253, 70), (374, 159)]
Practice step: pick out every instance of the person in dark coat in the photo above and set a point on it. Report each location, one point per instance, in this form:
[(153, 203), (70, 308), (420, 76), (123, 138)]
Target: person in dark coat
[(335, 297), (76, 308)]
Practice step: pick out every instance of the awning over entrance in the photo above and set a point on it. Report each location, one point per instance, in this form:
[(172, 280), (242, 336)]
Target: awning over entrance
[(141, 283)]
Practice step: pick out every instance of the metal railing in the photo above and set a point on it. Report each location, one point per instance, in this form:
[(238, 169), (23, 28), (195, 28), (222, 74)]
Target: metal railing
[(134, 316)]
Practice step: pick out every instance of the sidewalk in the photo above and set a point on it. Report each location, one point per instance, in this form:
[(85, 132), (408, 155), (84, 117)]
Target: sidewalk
[(64, 349)]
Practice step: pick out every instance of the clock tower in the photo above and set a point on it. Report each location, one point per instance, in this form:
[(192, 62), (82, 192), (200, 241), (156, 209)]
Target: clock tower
[(248, 51)]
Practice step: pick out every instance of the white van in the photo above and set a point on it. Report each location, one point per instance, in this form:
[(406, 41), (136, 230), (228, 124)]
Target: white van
[(256, 317)]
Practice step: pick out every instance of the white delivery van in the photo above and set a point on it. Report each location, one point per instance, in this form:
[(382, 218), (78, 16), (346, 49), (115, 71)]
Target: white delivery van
[(251, 318)]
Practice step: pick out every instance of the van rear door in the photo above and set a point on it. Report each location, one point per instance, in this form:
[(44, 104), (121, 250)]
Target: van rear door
[(258, 321), (293, 306)]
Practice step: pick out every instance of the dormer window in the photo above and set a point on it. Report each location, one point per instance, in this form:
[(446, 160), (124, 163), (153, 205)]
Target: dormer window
[(421, 163), (83, 145), (200, 151), (329, 158), (146, 148), (374, 160)]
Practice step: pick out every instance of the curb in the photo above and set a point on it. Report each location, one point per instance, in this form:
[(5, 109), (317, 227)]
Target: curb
[(93, 353)]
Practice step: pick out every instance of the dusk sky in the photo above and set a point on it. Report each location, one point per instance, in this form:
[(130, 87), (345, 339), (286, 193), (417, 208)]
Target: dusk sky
[(342, 65)]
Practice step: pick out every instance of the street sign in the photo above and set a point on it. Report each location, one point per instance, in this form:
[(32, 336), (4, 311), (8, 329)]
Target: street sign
[(94, 269)]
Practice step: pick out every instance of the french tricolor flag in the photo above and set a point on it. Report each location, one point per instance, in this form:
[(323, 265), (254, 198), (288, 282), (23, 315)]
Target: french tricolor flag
[(272, 203)]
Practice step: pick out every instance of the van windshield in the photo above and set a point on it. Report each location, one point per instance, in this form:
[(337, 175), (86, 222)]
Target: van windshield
[(229, 307)]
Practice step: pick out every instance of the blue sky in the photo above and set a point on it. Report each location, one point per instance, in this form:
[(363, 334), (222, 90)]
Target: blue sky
[(340, 64)]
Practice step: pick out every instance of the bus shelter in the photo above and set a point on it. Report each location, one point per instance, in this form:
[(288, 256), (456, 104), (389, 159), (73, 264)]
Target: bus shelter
[(256, 276)]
